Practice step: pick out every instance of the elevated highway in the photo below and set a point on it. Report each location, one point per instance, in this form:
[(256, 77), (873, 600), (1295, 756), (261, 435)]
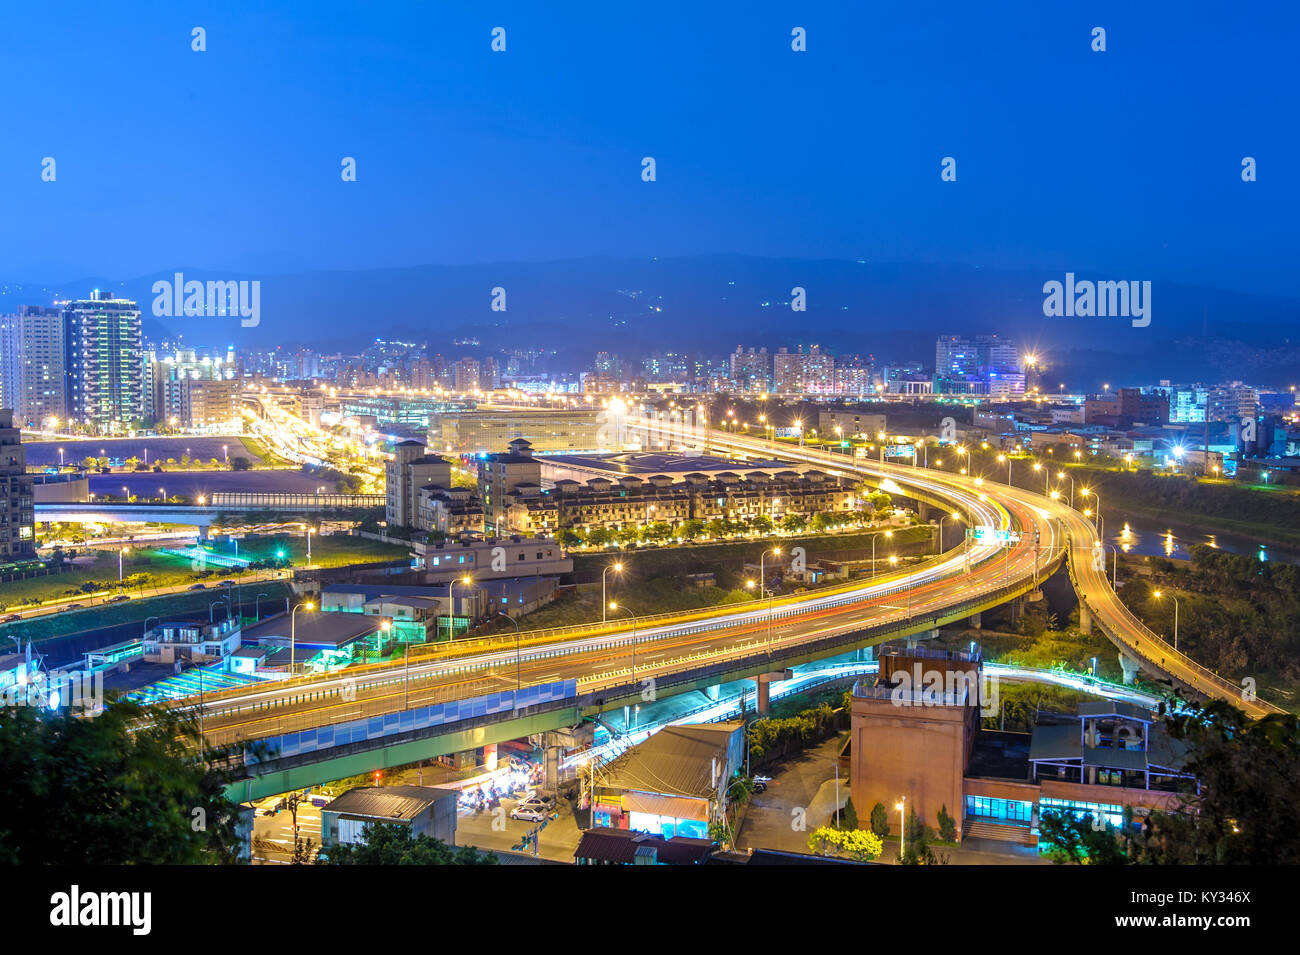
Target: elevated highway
[(456, 696)]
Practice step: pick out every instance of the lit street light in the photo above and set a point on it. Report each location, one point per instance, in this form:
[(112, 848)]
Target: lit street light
[(614, 606), (293, 633), (617, 567), (1157, 594)]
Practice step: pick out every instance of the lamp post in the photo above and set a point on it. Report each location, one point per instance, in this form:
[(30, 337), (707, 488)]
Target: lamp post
[(310, 530), (888, 534), (762, 583), (1060, 476), (1007, 458), (451, 605), (293, 633), (614, 606), (519, 680), (902, 827), (120, 552), (257, 607), (1158, 595), (1099, 524), (943, 517), (617, 567)]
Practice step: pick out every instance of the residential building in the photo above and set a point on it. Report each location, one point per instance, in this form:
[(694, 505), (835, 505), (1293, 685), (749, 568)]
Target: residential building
[(103, 354), (17, 510), (502, 474), (410, 470)]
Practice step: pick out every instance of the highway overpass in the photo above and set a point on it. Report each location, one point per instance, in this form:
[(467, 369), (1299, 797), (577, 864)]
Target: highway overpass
[(453, 697)]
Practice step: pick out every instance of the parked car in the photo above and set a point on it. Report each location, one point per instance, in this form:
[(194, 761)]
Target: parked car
[(11, 618), (74, 606), (198, 586), (119, 598), (528, 813), (542, 799)]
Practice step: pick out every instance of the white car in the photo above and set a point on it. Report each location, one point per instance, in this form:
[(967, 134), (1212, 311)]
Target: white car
[(528, 812)]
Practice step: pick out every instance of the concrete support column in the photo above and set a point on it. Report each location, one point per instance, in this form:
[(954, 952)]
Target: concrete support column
[(712, 692), (976, 622), (1130, 668), (764, 690), (1085, 618)]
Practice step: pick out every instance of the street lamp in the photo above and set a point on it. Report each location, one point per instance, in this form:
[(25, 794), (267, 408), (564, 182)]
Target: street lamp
[(617, 567), (943, 517), (293, 632), (1007, 458), (889, 535), (614, 606), (1099, 523), (1158, 595), (902, 827), (519, 681), (451, 605)]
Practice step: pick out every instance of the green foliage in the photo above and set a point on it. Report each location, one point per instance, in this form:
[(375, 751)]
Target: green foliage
[(860, 844), (916, 845), (849, 817), (126, 786), (947, 825), (1080, 840), (1236, 613), (880, 819), (391, 844), (773, 738)]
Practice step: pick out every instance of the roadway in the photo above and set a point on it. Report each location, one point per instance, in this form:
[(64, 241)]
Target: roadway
[(1087, 568), (617, 655)]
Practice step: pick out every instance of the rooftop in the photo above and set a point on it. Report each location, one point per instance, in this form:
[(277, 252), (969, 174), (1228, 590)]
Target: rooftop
[(622, 845), (389, 802)]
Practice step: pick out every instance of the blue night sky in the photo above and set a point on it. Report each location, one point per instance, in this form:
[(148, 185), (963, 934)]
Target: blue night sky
[(1126, 162)]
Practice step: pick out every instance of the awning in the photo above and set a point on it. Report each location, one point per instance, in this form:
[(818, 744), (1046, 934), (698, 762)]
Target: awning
[(675, 807)]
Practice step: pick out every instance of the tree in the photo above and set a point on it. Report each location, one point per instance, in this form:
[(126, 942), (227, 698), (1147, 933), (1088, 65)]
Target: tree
[(1249, 773), (126, 786), (240, 463), (691, 529), (916, 848), (391, 844), (947, 825), (880, 819), (1080, 840)]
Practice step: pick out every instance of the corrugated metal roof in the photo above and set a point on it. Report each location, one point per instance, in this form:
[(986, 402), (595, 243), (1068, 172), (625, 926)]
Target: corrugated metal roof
[(388, 802), (677, 761)]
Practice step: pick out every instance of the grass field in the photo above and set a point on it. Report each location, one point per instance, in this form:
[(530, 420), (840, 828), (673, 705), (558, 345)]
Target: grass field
[(146, 570)]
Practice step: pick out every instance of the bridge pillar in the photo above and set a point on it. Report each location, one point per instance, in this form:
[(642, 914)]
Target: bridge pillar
[(203, 531), (976, 622), (764, 688), (932, 635), (1130, 668), (1085, 618), (1016, 608), (712, 692)]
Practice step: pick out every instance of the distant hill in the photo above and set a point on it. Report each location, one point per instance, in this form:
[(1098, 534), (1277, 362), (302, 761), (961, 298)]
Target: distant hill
[(713, 303)]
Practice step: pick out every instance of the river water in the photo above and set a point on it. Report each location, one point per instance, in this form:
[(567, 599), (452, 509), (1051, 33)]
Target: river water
[(1145, 537)]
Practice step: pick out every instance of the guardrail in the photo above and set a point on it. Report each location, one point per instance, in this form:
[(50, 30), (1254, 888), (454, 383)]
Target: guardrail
[(1211, 680), (622, 677)]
